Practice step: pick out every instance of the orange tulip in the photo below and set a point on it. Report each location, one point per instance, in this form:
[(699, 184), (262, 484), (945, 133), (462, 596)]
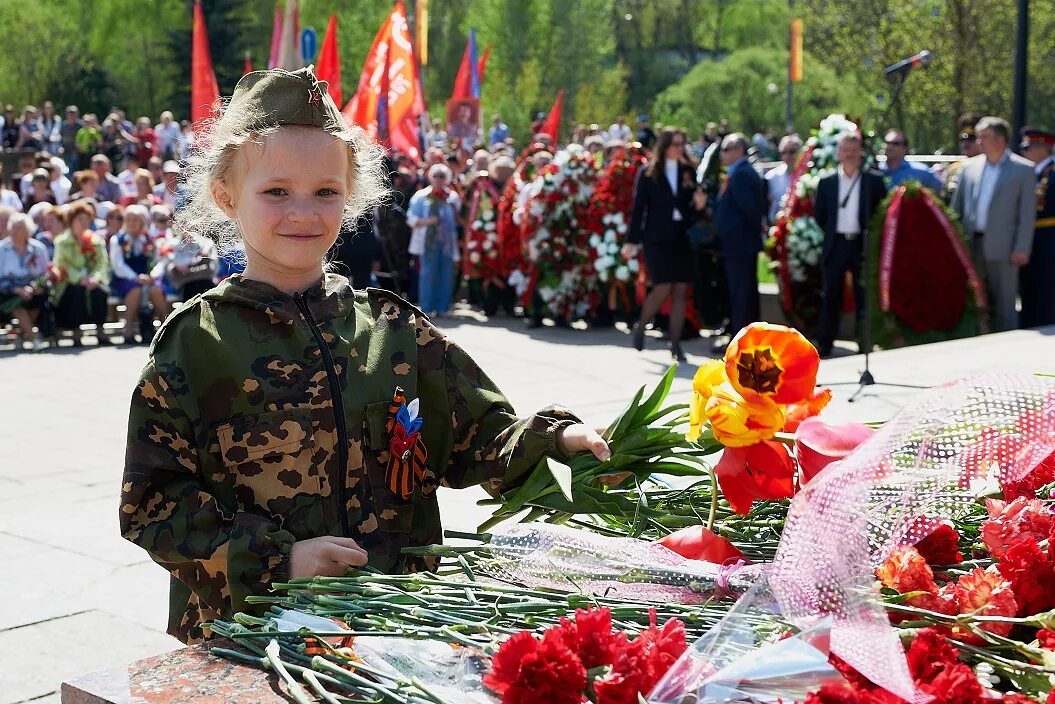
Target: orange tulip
[(774, 361), (740, 421)]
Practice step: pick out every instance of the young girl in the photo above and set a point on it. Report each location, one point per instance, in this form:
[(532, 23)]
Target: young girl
[(286, 426)]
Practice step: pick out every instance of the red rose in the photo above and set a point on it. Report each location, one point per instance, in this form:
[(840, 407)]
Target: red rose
[(941, 547), (525, 670), (1032, 578), (1007, 522)]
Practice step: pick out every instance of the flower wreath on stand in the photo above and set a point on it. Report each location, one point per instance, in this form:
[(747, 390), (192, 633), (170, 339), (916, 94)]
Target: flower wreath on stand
[(558, 266), (925, 288), (608, 219), (483, 247), (796, 240), (509, 234)]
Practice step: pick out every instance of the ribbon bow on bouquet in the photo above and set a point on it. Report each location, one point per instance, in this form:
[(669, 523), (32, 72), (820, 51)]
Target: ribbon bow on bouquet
[(406, 464)]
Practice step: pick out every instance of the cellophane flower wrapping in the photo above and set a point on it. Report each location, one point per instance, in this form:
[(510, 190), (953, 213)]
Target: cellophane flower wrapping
[(560, 557), (931, 460), (930, 463), (751, 657)]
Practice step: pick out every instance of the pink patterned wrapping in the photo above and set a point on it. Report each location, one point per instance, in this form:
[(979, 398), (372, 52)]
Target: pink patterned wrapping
[(933, 459)]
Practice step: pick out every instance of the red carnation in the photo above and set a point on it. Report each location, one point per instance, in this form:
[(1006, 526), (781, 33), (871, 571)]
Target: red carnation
[(984, 593), (1032, 578), (941, 547), (590, 636), (906, 571), (838, 693), (642, 663), (1046, 636), (1051, 697), (929, 654), (525, 670), (1042, 474), (1016, 698), (955, 684), (1022, 518)]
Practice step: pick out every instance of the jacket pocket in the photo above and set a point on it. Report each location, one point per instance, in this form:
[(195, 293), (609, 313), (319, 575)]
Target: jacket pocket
[(269, 457)]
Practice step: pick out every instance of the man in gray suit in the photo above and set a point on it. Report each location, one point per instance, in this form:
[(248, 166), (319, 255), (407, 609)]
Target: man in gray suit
[(997, 202)]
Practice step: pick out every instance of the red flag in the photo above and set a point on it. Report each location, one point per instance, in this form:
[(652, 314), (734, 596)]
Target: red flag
[(276, 37), (481, 67), (552, 124), (247, 67), (204, 92), (329, 68), (467, 81), (384, 123), (404, 100)]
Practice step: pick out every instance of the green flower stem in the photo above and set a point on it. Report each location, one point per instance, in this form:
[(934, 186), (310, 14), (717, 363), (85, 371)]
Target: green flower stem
[(714, 499)]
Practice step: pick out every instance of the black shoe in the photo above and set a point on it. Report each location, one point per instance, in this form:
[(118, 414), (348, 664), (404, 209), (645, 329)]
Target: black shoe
[(638, 332), (77, 342), (677, 353), (532, 323), (105, 341)]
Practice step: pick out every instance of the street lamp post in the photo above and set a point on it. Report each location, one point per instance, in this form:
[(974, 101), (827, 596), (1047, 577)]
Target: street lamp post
[(1018, 104)]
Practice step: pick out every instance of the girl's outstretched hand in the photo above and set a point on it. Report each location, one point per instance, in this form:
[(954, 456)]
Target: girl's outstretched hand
[(581, 438)]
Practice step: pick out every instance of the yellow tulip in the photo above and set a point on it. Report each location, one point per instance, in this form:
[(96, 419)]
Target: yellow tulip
[(739, 421)]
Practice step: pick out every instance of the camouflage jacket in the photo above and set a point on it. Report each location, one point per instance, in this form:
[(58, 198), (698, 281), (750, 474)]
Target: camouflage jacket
[(235, 450)]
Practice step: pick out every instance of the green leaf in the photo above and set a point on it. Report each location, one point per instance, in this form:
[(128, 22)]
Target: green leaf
[(562, 473), (656, 399), (622, 423)]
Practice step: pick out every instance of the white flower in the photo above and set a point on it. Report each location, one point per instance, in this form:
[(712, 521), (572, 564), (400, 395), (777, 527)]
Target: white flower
[(594, 241), (474, 257), (632, 265), (622, 273), (478, 224)]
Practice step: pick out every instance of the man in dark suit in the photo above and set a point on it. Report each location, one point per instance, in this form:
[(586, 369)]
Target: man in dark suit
[(843, 207), (738, 218), (1037, 278)]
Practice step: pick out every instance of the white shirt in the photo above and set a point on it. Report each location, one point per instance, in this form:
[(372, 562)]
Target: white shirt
[(986, 189), (126, 180), (168, 136), (777, 180), (849, 219), (10, 199), (620, 132), (61, 188), (670, 168)]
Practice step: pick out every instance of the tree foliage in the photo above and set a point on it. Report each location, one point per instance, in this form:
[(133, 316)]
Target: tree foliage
[(686, 61)]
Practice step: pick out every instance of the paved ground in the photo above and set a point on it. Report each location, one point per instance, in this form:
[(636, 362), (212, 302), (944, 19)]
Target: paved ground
[(74, 597)]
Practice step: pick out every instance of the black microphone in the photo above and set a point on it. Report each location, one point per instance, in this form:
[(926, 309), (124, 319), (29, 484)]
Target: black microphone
[(923, 59)]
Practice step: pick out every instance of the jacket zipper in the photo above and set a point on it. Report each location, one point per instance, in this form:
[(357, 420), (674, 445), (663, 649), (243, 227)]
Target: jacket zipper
[(338, 414)]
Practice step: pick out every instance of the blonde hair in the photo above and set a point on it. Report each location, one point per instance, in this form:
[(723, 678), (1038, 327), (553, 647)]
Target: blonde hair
[(215, 157)]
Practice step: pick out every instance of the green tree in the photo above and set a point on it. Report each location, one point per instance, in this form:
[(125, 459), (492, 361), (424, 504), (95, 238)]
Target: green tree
[(747, 87)]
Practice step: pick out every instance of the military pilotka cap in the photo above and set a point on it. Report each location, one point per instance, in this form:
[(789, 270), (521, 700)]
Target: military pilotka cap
[(278, 98)]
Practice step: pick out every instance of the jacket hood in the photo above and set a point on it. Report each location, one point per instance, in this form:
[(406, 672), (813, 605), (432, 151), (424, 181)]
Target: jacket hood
[(330, 298)]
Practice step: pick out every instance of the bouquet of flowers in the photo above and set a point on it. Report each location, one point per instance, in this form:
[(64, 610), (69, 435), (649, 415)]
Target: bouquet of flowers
[(52, 274), (608, 218), (558, 265), (796, 239)]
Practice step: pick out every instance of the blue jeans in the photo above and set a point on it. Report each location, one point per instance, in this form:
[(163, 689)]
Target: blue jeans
[(436, 280)]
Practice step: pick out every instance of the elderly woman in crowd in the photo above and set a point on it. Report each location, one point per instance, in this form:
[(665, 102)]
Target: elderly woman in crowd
[(85, 185), (115, 222), (23, 268), (80, 298), (137, 268), (433, 216), (51, 222)]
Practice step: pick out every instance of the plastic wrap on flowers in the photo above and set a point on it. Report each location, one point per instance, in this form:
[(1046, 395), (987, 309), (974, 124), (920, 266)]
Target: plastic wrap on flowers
[(559, 557), (749, 657), (930, 461)]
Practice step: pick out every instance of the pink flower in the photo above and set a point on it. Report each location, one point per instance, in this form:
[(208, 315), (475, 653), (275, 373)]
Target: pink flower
[(818, 444)]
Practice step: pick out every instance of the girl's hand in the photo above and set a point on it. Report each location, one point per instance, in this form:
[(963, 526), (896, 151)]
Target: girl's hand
[(577, 438), (328, 556)]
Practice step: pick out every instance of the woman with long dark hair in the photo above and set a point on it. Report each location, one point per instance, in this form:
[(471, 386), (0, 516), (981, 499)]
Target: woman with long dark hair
[(666, 200)]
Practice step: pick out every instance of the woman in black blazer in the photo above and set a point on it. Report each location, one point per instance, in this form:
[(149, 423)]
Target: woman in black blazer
[(666, 201)]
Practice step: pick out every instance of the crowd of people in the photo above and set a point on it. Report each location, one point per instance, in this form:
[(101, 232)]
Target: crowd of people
[(86, 222)]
